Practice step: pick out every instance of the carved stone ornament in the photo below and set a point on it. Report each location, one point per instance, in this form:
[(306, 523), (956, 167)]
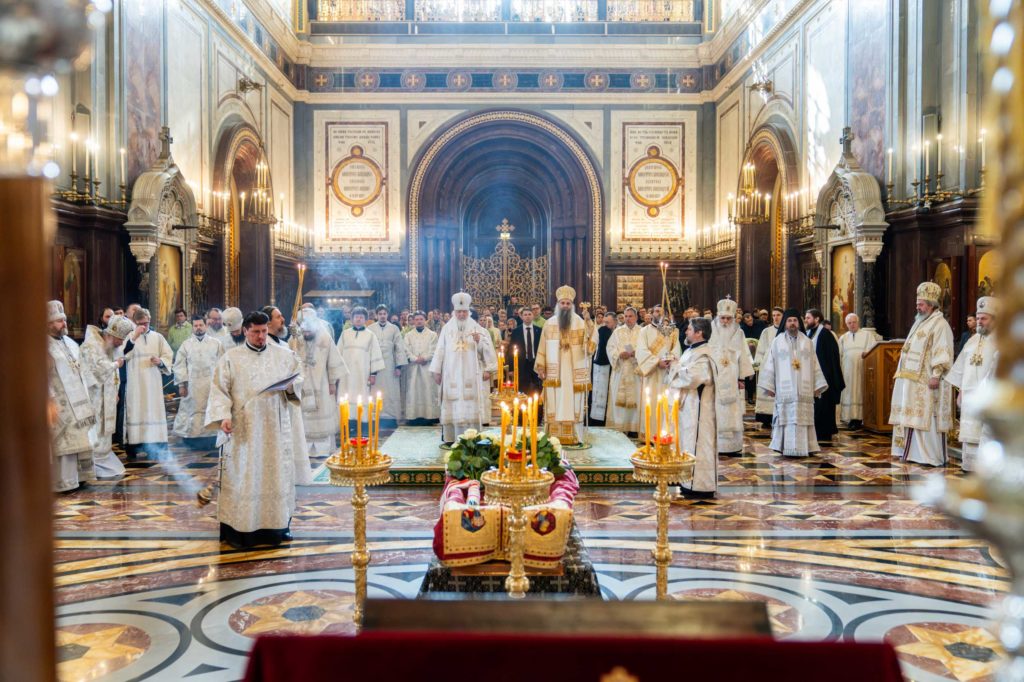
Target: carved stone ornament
[(852, 200), (161, 201)]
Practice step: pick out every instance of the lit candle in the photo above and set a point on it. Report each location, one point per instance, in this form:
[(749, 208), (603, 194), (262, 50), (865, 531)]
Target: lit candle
[(501, 371), (675, 420), (938, 153), (74, 153), (889, 174), (124, 166), (376, 429), (522, 451), (767, 203), (88, 146), (515, 421), (533, 431), (359, 419), (927, 158), (281, 202), (241, 205), (658, 414), (504, 431), (515, 369), (647, 422), (981, 143)]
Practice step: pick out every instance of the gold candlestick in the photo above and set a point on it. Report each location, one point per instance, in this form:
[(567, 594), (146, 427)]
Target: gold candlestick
[(516, 492), (353, 466), (662, 467)]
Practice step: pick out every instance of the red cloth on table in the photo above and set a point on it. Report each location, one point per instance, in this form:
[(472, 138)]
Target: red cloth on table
[(399, 656)]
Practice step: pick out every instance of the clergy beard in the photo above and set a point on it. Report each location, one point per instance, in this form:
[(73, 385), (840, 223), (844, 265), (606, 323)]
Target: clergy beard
[(198, 335), (919, 317), (460, 324), (564, 319), (982, 331)]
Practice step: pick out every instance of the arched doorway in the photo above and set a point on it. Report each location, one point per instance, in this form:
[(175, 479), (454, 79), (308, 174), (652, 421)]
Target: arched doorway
[(762, 281), (495, 165), (248, 255)]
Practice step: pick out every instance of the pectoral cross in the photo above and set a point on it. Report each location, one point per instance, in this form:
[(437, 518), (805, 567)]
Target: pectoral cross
[(976, 359), (460, 344), (796, 363)]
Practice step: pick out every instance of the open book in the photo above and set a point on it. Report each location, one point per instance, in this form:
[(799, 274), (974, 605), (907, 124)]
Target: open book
[(280, 385)]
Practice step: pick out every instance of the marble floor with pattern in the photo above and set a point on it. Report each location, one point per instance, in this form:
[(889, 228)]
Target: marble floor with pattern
[(834, 544)]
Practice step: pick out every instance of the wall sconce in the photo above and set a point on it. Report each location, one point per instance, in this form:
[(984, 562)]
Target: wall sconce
[(762, 85), (246, 84)]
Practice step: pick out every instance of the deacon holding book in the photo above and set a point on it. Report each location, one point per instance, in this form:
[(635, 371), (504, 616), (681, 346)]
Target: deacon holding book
[(254, 389)]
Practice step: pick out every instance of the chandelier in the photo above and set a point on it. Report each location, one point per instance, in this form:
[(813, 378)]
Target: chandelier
[(751, 206), (258, 207)]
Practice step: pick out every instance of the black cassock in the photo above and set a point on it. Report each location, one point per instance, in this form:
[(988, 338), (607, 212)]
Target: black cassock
[(827, 351)]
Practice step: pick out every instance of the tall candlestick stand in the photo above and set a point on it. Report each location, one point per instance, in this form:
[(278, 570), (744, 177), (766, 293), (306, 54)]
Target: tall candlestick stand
[(516, 493), (660, 464), (355, 466)]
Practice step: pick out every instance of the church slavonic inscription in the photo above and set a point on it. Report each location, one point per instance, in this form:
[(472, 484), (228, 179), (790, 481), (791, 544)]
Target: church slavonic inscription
[(652, 203)]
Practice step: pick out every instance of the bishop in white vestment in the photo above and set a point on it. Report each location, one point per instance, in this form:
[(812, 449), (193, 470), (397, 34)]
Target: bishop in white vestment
[(360, 350), (101, 360), (971, 373), (264, 449), (422, 400), (563, 364), (464, 353), (732, 357), (853, 345), (790, 373), (233, 323), (74, 416), (148, 360), (657, 348), (193, 370), (693, 376), (921, 403), (625, 391), (323, 369), (393, 351), (764, 407)]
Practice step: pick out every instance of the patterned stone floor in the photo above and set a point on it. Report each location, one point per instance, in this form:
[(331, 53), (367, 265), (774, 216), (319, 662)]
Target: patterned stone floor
[(833, 543)]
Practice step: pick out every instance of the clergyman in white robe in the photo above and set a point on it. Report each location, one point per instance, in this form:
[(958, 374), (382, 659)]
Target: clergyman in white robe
[(972, 373), (464, 350), (791, 373), (657, 348), (323, 369), (360, 350), (922, 404), (624, 407), (101, 360), (193, 369), (148, 361), (265, 455), (693, 376), (764, 405), (392, 350), (69, 393), (422, 397), (732, 357), (563, 363), (852, 347)]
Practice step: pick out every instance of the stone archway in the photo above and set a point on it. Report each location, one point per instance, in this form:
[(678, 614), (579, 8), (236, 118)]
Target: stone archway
[(489, 161), (772, 151), (248, 258)]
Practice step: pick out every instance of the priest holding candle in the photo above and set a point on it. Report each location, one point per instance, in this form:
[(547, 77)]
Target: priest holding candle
[(563, 364), (464, 351), (694, 377)]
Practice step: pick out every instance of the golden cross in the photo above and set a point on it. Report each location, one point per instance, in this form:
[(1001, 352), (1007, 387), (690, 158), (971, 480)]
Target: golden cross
[(551, 80), (458, 80), (366, 80), (412, 80), (504, 80), (596, 80), (642, 81), (689, 81), (320, 80)]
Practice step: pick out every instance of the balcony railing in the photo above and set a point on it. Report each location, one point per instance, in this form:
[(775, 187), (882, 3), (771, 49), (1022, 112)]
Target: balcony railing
[(511, 11)]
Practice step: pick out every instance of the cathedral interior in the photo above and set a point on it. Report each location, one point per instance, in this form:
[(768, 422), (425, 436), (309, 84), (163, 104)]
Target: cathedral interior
[(831, 155)]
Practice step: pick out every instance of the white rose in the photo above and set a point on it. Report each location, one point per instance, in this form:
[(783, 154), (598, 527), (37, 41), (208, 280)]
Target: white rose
[(470, 434), (554, 441)]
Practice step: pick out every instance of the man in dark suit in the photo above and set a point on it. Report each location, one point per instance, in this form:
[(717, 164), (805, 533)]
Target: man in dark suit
[(827, 350), (526, 338)]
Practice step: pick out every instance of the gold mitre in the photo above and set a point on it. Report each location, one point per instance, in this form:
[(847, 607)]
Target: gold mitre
[(727, 308), (462, 301), (565, 292), (929, 292), (988, 305)]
